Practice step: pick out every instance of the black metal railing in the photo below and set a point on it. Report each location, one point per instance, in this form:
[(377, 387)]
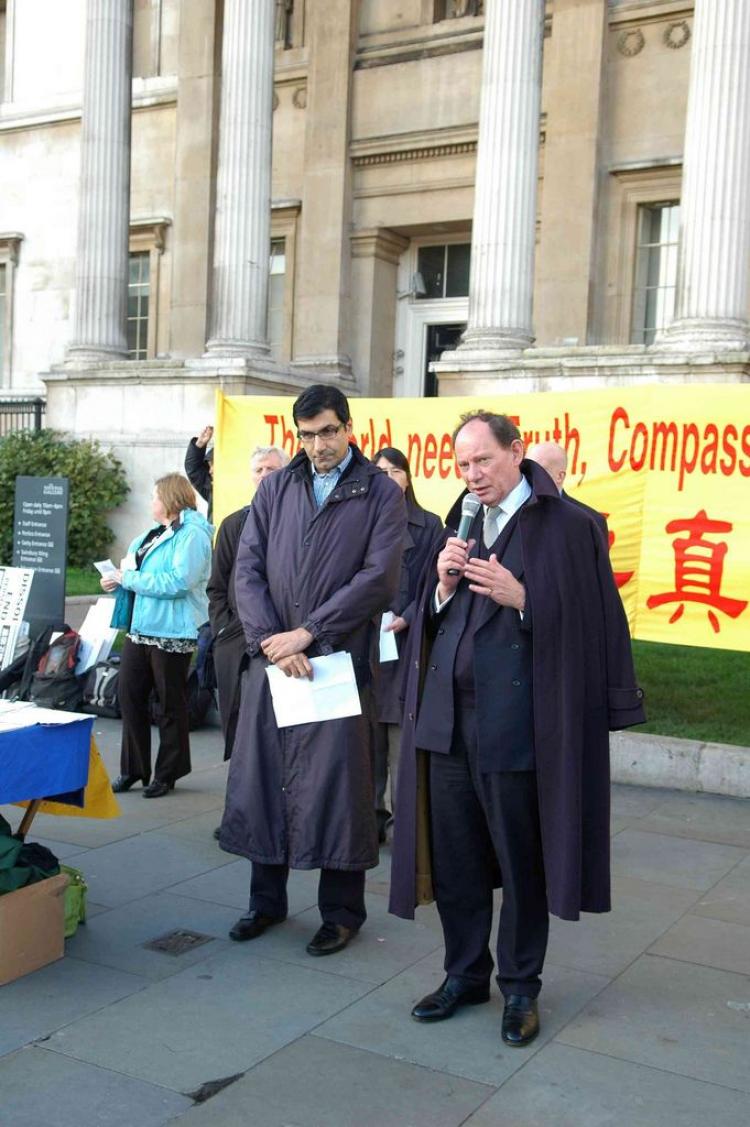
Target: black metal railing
[(21, 414)]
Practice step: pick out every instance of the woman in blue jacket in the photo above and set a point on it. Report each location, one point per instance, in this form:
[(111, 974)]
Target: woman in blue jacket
[(167, 571)]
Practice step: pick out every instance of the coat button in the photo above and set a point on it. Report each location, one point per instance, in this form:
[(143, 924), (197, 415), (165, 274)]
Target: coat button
[(515, 646), (441, 630), (411, 716), (433, 668), (639, 692), (416, 665), (516, 683), (296, 604)]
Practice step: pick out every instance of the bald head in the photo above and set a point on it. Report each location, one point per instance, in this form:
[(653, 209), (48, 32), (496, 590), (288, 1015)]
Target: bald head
[(551, 458)]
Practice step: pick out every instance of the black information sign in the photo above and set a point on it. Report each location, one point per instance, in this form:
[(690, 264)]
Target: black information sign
[(40, 541)]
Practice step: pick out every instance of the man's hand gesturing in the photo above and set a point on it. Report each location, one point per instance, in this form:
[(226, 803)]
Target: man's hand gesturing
[(452, 558), (491, 579)]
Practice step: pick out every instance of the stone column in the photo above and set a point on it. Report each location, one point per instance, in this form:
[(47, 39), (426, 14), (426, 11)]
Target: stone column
[(104, 215), (243, 189), (711, 307), (504, 227)]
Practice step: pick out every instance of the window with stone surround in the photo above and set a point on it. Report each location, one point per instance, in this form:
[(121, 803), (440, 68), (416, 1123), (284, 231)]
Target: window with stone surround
[(280, 310), (456, 9), (139, 289), (147, 241), (276, 295), (3, 40), (655, 276), (442, 271), (10, 246)]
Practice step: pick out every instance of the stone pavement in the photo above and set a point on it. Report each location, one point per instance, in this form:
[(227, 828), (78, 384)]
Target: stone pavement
[(645, 1012)]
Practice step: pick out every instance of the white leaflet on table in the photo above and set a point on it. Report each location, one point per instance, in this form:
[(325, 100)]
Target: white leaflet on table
[(388, 646), (331, 695), (25, 715)]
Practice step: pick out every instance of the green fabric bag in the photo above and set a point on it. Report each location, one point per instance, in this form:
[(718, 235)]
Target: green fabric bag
[(22, 864), (75, 900)]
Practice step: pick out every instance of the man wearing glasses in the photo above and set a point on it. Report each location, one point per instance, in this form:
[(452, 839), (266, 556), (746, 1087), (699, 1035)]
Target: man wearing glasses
[(319, 558)]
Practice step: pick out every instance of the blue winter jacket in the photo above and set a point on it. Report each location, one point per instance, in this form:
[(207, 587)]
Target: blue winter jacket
[(170, 585)]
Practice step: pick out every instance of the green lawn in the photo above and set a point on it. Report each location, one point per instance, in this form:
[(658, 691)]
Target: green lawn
[(82, 581), (695, 693)]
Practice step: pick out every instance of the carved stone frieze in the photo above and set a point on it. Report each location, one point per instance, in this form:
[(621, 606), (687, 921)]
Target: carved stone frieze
[(631, 42), (677, 34)]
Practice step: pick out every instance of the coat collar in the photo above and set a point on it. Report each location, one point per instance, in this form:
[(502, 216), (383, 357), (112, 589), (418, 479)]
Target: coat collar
[(354, 481)]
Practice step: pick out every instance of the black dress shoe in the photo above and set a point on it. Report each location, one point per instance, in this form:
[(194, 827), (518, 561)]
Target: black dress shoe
[(445, 1001), (125, 782), (252, 925), (330, 938), (157, 789), (520, 1020)]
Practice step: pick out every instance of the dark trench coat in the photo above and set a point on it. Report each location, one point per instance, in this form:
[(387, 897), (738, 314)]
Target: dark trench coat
[(226, 628), (302, 796), (583, 686), (424, 531)]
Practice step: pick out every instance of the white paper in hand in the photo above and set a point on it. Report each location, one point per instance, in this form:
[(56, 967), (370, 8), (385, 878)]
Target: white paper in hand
[(388, 646), (331, 695)]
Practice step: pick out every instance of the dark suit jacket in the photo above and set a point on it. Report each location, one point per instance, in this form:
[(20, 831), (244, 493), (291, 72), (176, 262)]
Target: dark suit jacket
[(502, 669)]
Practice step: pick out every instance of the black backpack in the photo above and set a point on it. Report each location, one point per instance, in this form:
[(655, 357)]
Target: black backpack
[(54, 684), (100, 689)]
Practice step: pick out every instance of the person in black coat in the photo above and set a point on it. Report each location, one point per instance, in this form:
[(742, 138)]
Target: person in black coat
[(226, 628), (423, 534), (199, 466), (519, 666), (553, 458)]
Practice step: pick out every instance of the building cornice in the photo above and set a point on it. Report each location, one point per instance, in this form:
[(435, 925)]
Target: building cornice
[(147, 93)]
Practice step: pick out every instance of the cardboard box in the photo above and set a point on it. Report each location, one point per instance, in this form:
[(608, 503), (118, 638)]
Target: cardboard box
[(32, 922)]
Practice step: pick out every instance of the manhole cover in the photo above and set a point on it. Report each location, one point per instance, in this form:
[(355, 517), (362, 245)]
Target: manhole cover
[(178, 942)]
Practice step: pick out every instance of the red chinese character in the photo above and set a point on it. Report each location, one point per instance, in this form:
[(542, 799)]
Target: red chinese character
[(698, 567), (621, 577)]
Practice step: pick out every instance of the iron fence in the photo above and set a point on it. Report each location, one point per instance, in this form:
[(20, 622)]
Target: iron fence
[(21, 414)]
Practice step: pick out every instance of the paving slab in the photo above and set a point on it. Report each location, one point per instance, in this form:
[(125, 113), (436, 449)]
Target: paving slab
[(712, 943), (230, 885), (672, 860), (468, 1045), (384, 947), (635, 802), (34, 1081), (565, 1087), (34, 1006), (704, 817), (729, 899), (675, 1016), (212, 1020), (315, 1083), (130, 869), (115, 938), (607, 943)]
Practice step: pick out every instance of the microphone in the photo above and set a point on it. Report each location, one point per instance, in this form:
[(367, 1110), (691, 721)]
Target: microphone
[(470, 506)]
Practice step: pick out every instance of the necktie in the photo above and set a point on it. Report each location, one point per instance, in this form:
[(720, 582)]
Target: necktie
[(489, 530)]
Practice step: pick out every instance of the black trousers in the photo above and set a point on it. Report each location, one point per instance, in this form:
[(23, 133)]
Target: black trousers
[(143, 668), (341, 894), (481, 822)]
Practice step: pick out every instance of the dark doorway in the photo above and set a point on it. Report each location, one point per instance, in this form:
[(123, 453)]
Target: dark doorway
[(440, 338)]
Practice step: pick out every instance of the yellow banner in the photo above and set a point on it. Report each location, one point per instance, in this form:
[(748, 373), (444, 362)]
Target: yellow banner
[(669, 466)]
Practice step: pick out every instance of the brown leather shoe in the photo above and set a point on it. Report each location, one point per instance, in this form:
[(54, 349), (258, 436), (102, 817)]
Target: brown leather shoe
[(330, 938), (453, 993), (520, 1020)]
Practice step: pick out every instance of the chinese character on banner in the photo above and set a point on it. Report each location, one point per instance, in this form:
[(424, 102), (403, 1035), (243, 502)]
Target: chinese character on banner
[(621, 577), (698, 569)]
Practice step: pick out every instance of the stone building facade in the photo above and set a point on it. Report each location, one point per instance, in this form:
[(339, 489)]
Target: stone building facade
[(464, 197)]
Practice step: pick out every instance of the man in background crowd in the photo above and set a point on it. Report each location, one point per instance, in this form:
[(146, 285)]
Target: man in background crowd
[(199, 466)]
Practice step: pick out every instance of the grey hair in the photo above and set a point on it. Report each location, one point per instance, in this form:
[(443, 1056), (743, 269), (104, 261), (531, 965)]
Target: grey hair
[(263, 451)]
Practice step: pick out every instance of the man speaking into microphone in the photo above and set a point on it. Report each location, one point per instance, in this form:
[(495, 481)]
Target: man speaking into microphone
[(524, 667)]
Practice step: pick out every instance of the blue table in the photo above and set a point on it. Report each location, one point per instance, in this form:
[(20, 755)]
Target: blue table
[(45, 761)]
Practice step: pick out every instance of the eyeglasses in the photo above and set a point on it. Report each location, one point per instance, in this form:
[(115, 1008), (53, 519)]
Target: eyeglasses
[(325, 433)]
